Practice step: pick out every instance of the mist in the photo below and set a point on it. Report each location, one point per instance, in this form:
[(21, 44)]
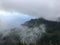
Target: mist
[(8, 21), (32, 35), (23, 34), (14, 13), (10, 24), (49, 9)]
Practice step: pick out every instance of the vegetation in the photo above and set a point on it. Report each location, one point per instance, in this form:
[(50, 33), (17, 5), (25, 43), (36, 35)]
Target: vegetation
[(51, 37)]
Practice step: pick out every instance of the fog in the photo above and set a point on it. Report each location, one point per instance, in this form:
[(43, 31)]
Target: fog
[(12, 20), (49, 9), (32, 35), (11, 25), (23, 34), (13, 13)]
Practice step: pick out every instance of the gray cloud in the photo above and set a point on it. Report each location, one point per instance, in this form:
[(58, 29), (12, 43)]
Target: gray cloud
[(49, 9)]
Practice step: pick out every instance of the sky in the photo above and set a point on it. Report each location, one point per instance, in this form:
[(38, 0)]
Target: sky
[(49, 9), (9, 20), (15, 12)]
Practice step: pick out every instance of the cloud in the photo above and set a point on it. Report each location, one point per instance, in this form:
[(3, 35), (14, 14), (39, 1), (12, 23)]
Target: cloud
[(10, 20), (49, 9)]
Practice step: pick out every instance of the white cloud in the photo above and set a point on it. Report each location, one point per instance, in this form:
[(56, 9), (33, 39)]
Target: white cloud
[(49, 9), (12, 19)]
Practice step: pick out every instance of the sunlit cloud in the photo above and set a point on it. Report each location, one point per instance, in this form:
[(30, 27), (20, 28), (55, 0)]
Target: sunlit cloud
[(49, 9), (2, 12), (12, 19)]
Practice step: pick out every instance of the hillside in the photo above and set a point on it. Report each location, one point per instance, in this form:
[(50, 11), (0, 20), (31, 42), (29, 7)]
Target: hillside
[(52, 34)]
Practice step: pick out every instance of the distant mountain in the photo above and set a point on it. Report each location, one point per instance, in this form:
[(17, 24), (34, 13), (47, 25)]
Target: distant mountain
[(52, 30), (36, 22)]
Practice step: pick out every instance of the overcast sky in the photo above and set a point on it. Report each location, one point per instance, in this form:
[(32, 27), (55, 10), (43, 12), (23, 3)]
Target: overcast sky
[(49, 9)]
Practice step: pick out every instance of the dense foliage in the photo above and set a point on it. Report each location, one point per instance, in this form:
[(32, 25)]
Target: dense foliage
[(51, 37)]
